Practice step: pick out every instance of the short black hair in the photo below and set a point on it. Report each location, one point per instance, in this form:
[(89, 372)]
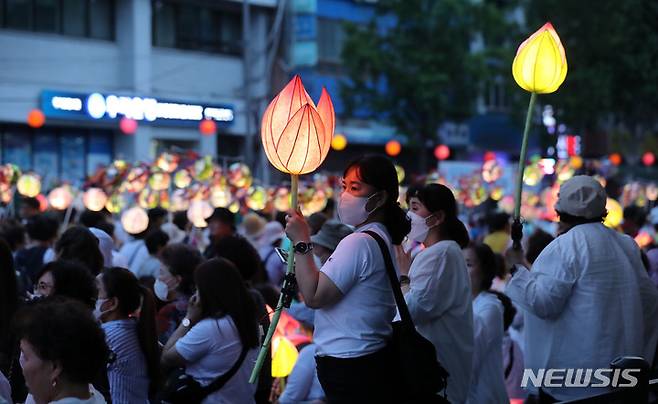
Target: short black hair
[(42, 227), (64, 331), (241, 253), (488, 265), (155, 240), (576, 220), (223, 215), (497, 221), (181, 260), (107, 227), (79, 244), (89, 218), (31, 202), (180, 219), (537, 241), (73, 280), (157, 213), (13, 233)]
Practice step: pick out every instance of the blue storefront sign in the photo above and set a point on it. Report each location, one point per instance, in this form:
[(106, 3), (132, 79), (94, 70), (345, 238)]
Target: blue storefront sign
[(111, 107)]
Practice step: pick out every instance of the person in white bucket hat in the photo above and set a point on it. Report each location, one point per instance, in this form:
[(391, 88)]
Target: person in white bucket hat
[(588, 299)]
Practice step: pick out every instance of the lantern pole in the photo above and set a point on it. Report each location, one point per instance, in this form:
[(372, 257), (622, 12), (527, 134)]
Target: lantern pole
[(287, 290), (517, 226)]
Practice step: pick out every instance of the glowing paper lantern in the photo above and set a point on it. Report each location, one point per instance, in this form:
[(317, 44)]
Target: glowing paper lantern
[(128, 126), (256, 198), (643, 239), (540, 64), (198, 212), (182, 179), (532, 175), (296, 135), (94, 199), (576, 162), (615, 213), (179, 201), (136, 179), (135, 220), (207, 127), (489, 156), (491, 171), (29, 185), (442, 152), (36, 118), (282, 199), (615, 159), (43, 202), (339, 142), (239, 175), (167, 162), (234, 207), (220, 196), (159, 181), (497, 193), (60, 198), (393, 148), (284, 356), (648, 159), (652, 192), (115, 203), (203, 168)]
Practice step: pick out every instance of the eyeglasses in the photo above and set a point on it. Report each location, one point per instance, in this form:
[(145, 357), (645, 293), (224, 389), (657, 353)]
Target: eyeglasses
[(43, 287)]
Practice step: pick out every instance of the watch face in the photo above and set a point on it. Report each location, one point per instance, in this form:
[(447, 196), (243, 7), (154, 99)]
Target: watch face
[(186, 322)]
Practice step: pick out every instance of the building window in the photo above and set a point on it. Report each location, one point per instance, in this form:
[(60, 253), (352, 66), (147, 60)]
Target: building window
[(56, 154), (496, 98), (331, 37), (195, 27), (82, 18)]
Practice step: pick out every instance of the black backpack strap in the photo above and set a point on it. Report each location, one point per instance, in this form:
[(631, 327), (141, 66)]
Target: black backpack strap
[(393, 278), (223, 379)]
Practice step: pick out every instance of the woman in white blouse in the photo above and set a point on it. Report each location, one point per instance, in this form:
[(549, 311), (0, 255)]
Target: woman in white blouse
[(437, 289), (487, 379)]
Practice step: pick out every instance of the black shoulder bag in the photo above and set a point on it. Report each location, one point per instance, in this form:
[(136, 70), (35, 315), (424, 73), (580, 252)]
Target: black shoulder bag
[(181, 388), (415, 357)]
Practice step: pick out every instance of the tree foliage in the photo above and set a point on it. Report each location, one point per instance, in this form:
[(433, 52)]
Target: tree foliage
[(421, 62)]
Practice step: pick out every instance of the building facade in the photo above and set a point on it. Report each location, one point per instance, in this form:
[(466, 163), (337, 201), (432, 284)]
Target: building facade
[(100, 68)]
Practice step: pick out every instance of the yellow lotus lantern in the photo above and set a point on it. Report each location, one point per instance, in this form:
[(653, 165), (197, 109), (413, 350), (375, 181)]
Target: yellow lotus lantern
[(540, 67), (540, 64), (115, 203), (135, 220), (239, 175), (182, 179), (94, 199), (296, 137), (284, 356), (282, 199), (29, 185), (615, 213), (60, 198), (159, 181)]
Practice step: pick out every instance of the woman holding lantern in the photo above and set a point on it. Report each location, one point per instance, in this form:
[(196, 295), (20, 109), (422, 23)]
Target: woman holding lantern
[(351, 291)]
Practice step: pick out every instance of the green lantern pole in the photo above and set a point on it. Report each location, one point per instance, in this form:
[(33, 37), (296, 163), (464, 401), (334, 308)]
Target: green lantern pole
[(517, 226), (286, 291)]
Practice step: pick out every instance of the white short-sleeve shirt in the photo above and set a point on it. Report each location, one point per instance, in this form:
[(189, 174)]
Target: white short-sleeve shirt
[(360, 322), (211, 348)]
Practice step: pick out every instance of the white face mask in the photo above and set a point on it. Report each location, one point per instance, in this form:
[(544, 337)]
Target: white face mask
[(161, 290), (97, 311), (419, 227), (352, 209)]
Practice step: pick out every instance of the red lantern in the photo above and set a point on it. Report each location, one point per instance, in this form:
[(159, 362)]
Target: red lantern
[(615, 159), (36, 118), (442, 152), (207, 127), (488, 156), (393, 148), (128, 126), (648, 159)]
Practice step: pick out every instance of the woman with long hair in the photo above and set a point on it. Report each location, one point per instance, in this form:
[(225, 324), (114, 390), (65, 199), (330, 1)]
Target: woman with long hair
[(220, 324), (436, 284), (126, 310), (352, 291)]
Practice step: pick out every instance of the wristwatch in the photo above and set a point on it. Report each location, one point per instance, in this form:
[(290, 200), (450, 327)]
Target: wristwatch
[(186, 322), (303, 248), (404, 280)]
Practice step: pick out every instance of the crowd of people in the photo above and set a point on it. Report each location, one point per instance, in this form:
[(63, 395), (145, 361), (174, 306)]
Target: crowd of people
[(91, 314)]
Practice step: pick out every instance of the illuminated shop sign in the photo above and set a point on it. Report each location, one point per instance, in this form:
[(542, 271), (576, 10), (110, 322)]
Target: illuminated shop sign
[(107, 107)]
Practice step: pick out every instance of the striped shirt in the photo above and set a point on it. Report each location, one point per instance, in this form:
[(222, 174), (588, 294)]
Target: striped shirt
[(127, 374)]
